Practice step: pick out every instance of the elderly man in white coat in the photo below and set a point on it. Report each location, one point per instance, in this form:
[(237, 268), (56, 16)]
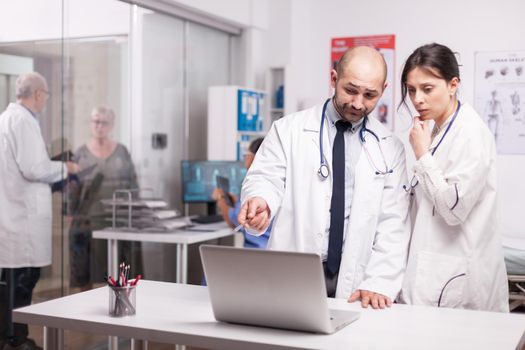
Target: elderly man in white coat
[(332, 177), (25, 198)]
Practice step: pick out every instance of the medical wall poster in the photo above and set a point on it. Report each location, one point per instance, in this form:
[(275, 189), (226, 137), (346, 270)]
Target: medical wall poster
[(500, 97), (249, 105), (386, 44)]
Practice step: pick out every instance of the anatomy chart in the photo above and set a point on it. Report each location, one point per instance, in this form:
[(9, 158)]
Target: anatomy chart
[(500, 97)]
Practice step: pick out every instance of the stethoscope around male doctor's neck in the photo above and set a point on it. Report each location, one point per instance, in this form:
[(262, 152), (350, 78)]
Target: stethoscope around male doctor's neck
[(323, 168)]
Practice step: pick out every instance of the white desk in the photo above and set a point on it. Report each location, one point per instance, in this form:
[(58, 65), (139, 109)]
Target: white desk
[(181, 314), (182, 238)]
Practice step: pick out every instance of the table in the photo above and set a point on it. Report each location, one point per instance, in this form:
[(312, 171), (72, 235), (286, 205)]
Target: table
[(182, 238), (182, 314)]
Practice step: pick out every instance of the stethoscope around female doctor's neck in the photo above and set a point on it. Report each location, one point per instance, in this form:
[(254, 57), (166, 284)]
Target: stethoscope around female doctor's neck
[(414, 181), (323, 168)]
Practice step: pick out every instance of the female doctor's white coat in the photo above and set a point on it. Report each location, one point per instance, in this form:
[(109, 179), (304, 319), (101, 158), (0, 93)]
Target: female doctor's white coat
[(285, 174), (25, 195), (455, 230)]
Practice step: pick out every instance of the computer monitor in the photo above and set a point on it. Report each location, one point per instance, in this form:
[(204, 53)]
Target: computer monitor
[(199, 178)]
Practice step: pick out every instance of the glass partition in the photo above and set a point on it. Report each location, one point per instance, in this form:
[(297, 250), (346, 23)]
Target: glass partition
[(161, 91), (21, 53), (128, 102), (208, 64)]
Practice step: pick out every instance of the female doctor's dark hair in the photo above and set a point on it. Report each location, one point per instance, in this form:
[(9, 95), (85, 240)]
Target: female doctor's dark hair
[(436, 59)]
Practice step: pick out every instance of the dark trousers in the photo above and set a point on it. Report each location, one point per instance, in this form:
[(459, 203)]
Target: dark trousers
[(23, 282), (330, 281)]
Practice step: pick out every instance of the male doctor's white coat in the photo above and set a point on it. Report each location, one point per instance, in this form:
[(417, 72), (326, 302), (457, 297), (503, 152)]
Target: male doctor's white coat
[(25, 195), (285, 174)]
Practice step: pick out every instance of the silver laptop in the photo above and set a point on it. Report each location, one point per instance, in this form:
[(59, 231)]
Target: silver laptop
[(270, 288)]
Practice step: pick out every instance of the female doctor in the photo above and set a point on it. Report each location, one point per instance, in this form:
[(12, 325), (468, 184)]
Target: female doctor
[(455, 257)]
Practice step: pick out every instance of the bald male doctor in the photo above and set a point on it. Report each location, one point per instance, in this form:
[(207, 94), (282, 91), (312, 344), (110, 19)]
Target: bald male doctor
[(331, 178)]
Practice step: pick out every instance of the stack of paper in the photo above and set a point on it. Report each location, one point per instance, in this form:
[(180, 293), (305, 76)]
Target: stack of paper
[(146, 214)]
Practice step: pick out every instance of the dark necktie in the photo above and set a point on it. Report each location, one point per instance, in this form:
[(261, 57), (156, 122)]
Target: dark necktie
[(337, 205)]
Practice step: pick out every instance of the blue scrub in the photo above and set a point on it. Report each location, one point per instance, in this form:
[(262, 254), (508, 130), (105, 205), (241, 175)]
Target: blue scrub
[(250, 241)]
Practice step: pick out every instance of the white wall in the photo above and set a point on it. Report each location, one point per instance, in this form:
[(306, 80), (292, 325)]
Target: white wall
[(37, 20), (251, 15), (491, 25), (246, 13), (466, 26)]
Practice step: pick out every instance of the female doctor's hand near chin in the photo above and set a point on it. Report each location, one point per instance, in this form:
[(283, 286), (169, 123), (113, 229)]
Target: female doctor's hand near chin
[(420, 138), (255, 214), (378, 301)]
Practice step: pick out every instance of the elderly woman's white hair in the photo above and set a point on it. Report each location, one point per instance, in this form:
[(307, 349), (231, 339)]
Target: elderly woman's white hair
[(105, 111), (27, 84)]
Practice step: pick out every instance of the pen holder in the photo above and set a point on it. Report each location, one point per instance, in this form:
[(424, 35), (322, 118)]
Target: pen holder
[(122, 301)]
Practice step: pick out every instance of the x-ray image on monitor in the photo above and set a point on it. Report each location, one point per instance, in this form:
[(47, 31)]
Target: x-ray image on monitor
[(199, 178)]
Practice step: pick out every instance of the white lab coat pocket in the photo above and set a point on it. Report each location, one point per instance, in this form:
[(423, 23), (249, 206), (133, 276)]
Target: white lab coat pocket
[(439, 280), (43, 202)]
